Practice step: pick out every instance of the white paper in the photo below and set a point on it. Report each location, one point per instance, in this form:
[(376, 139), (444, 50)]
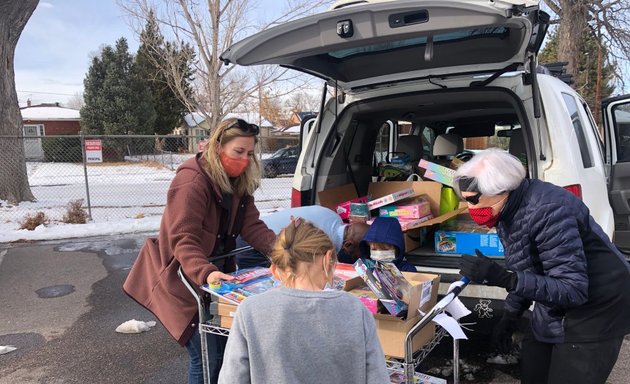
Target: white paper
[(6, 349), (451, 326), (426, 292), (135, 326), (456, 308)]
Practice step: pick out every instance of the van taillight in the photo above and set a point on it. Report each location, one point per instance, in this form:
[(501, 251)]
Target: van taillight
[(296, 198), (575, 189)]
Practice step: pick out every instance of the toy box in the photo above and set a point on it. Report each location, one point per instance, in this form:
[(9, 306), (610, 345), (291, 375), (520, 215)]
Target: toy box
[(359, 212), (390, 198), (418, 209), (344, 209), (247, 282), (387, 283), (331, 197), (453, 242), (437, 172)]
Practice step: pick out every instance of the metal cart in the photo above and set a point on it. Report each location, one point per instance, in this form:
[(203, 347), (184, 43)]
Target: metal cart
[(407, 365)]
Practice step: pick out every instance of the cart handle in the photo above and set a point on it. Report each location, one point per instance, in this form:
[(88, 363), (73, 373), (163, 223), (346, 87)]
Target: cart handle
[(435, 310)]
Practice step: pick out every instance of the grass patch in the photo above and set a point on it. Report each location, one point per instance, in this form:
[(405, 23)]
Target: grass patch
[(75, 213), (32, 221)]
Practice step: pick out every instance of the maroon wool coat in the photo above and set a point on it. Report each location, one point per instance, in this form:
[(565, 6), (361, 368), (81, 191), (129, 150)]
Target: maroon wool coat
[(195, 217)]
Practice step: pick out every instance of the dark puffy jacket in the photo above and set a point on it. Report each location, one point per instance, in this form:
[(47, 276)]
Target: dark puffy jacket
[(566, 264)]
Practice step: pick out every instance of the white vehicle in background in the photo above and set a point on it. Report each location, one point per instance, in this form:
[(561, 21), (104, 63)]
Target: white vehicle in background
[(458, 72)]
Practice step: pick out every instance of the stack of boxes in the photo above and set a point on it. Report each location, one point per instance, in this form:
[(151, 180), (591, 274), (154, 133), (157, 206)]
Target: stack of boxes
[(418, 205), (459, 235), (415, 204)]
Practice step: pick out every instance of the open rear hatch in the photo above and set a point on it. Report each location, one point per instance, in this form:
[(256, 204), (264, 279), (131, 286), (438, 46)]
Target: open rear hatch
[(389, 41)]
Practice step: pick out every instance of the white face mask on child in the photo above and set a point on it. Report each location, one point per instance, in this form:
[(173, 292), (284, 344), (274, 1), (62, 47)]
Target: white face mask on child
[(383, 255)]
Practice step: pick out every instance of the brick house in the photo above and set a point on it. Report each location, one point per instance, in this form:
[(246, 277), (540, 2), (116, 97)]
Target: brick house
[(46, 120)]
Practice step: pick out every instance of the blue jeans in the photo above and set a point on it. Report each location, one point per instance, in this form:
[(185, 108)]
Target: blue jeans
[(216, 346)]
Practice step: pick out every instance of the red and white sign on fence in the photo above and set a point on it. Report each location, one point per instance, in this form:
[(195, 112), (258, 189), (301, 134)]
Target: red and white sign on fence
[(93, 151)]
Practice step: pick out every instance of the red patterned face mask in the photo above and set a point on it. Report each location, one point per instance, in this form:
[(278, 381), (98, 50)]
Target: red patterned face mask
[(233, 167), (484, 216)]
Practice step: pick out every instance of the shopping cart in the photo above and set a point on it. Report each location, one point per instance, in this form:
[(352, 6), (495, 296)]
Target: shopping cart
[(413, 359), (408, 365), (205, 323)]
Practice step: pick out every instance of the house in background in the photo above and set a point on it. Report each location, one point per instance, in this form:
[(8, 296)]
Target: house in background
[(46, 120), (197, 128), (298, 116)]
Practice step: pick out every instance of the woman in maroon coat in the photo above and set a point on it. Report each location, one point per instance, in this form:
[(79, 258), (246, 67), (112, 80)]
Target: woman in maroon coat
[(209, 203)]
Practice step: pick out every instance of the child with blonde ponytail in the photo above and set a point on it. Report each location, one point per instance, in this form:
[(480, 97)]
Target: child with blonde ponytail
[(292, 334)]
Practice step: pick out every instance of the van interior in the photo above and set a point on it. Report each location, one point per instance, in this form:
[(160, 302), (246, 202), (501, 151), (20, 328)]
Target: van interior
[(437, 126)]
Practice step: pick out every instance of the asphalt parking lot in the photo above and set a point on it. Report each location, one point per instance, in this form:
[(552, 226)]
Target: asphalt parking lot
[(61, 302)]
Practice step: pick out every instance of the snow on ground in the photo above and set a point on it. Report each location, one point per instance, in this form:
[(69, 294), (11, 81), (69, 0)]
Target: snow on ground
[(124, 198)]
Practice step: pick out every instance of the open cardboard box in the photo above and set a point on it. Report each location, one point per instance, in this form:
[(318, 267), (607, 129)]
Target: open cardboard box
[(226, 322), (393, 330), (330, 198)]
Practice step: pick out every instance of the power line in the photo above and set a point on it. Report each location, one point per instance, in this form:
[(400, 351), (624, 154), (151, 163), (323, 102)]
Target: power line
[(47, 93)]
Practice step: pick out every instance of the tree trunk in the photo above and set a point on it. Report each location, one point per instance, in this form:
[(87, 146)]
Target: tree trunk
[(572, 24), (13, 177)]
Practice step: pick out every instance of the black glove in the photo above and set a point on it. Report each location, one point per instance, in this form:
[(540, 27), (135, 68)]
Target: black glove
[(481, 269), (502, 333)]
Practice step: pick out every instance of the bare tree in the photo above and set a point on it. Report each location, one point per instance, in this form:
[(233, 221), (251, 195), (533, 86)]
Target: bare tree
[(14, 186), (606, 20), (76, 101), (303, 102), (210, 28)]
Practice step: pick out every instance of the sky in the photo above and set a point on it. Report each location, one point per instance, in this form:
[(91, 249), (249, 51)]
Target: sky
[(126, 198), (54, 51)]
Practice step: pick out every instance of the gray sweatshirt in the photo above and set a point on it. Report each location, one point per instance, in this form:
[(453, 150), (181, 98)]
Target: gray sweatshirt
[(294, 336)]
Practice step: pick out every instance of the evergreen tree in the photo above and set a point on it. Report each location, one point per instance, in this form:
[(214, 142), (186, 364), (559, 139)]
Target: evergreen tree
[(585, 82), (168, 107), (117, 100)]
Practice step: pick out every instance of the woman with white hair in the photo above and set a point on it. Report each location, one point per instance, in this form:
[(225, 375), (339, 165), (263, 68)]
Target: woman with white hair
[(556, 256)]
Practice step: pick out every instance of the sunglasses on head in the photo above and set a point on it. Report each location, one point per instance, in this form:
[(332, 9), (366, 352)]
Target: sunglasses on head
[(473, 199), (244, 126)]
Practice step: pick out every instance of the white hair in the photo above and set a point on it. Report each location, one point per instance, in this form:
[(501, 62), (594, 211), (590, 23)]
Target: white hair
[(491, 172)]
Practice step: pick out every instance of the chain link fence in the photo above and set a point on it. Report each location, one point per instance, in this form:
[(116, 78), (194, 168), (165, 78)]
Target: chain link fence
[(131, 178)]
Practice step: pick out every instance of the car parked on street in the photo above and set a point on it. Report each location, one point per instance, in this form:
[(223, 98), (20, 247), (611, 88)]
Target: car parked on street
[(283, 161)]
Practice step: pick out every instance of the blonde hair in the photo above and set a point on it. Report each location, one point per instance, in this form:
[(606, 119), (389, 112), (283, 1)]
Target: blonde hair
[(249, 181), (300, 242)]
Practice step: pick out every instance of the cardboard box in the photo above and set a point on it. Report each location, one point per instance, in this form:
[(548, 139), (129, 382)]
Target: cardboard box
[(453, 242), (331, 197), (391, 330), (225, 322), (227, 310), (406, 224)]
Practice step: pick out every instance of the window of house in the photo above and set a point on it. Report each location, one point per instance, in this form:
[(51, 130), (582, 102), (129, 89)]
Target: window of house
[(33, 130)]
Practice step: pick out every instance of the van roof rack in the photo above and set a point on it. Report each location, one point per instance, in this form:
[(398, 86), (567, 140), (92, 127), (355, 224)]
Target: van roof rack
[(557, 70)]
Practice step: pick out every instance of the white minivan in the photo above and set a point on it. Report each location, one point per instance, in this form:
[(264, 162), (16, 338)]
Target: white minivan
[(438, 79)]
